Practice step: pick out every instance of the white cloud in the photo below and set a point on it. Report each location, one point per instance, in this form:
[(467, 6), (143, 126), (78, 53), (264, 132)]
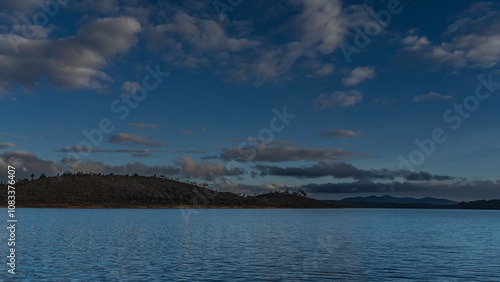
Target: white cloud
[(189, 132), (416, 43), (338, 99), (203, 35), (318, 69), (475, 43), (432, 96), (73, 62), (28, 163), (109, 36), (325, 24), (104, 7), (10, 135), (196, 41), (359, 75), (128, 86), (384, 102)]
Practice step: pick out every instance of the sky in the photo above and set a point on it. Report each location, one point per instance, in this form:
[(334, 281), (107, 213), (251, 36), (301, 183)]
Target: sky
[(337, 98)]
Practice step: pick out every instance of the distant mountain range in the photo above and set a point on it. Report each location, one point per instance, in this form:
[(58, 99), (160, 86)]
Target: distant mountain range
[(404, 200), (395, 202), (413, 203)]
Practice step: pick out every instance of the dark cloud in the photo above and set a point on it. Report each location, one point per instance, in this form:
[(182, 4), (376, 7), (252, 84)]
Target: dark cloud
[(78, 149), (194, 152), (75, 165), (132, 139), (340, 133), (4, 145), (251, 189), (424, 176), (363, 186), (144, 125), (459, 191), (205, 170), (278, 151), (344, 170), (85, 150), (27, 6), (141, 155)]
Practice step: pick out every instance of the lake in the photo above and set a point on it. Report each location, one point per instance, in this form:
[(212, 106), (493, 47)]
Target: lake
[(257, 244)]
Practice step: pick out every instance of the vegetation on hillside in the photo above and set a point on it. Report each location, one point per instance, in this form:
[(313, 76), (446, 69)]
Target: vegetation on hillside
[(89, 189)]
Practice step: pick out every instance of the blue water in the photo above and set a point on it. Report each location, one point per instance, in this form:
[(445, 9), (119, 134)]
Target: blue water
[(348, 244)]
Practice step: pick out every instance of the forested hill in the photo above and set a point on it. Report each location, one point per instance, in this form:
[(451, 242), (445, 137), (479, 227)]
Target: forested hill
[(120, 191)]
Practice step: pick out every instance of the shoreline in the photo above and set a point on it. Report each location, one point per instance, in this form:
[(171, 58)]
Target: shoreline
[(64, 206), (61, 206)]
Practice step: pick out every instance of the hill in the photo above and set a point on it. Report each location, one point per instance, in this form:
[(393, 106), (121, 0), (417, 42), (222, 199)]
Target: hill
[(395, 202), (413, 203), (403, 200), (120, 191), (481, 205)]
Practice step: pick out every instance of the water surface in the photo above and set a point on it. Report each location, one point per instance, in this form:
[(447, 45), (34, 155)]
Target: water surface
[(234, 244)]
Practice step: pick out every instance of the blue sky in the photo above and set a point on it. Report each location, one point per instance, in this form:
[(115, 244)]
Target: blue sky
[(360, 82)]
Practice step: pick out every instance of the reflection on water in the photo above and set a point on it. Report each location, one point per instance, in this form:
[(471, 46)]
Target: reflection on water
[(350, 244)]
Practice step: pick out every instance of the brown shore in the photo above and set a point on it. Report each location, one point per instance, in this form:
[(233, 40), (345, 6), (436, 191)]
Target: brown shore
[(64, 206)]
